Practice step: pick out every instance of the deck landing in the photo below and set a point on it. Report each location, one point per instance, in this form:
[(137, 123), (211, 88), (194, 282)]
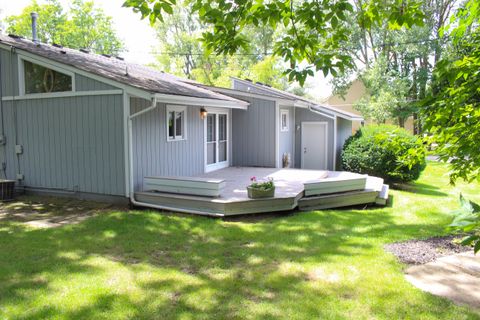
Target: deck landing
[(289, 192)]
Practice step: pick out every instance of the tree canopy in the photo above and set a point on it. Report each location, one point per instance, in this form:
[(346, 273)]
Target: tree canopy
[(395, 65), (181, 53), (314, 32), (452, 109), (82, 26)]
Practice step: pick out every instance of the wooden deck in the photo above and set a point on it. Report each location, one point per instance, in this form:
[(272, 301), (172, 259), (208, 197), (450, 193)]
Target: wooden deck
[(334, 189)]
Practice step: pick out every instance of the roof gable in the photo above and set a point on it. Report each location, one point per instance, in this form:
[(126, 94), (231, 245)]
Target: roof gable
[(115, 69)]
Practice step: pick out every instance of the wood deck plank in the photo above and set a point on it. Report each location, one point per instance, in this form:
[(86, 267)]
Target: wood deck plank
[(289, 192)]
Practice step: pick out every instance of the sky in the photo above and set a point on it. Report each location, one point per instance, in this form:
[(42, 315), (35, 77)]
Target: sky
[(137, 35)]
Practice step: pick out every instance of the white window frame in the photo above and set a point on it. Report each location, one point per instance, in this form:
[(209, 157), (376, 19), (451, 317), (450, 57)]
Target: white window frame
[(175, 108), (21, 76), (285, 112)]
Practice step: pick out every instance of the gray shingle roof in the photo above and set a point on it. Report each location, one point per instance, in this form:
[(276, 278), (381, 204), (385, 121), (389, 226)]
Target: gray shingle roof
[(115, 69), (276, 93)]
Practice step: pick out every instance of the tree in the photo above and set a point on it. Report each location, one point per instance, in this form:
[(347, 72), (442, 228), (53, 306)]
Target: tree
[(395, 65), (49, 23), (451, 111), (314, 32), (83, 26), (182, 54)]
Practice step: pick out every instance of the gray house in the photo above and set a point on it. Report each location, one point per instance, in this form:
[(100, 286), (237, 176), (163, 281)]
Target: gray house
[(95, 126)]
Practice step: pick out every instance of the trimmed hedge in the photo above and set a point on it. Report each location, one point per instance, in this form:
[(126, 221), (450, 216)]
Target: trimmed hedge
[(384, 151)]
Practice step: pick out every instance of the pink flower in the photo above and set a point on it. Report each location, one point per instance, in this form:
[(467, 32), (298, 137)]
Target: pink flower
[(253, 179)]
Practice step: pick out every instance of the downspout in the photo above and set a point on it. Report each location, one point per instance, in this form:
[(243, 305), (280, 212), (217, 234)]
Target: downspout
[(335, 131), (130, 144), (14, 110), (2, 138), (130, 155)]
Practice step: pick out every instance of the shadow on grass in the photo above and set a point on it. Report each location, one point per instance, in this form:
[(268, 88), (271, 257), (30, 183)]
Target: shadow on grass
[(420, 188), (204, 268)]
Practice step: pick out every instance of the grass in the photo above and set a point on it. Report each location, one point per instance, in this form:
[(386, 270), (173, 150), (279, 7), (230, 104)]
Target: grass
[(141, 264)]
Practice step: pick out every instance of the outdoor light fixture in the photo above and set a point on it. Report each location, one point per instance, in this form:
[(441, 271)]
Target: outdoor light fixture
[(203, 113)]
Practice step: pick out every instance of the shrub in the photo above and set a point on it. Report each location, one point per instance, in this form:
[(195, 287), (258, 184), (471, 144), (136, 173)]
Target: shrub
[(384, 151)]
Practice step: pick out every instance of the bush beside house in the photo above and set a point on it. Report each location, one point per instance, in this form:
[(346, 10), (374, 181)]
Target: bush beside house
[(386, 151)]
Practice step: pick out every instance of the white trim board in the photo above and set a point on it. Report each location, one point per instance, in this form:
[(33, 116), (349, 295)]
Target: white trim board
[(194, 101), (278, 164), (63, 94)]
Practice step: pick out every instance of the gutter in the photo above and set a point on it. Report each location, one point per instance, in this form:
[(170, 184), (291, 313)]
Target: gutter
[(321, 113)]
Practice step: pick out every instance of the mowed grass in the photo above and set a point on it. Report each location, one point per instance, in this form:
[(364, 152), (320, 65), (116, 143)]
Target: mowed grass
[(146, 265)]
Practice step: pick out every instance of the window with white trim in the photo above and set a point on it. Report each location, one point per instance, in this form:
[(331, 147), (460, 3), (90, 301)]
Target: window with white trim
[(176, 123), (284, 120), (41, 79)]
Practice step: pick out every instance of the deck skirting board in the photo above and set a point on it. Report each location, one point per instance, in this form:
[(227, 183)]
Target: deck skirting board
[(338, 200)]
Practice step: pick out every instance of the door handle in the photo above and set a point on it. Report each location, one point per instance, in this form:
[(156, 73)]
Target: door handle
[(305, 150)]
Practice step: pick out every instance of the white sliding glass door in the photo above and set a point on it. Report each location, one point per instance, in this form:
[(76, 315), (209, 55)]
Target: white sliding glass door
[(216, 140)]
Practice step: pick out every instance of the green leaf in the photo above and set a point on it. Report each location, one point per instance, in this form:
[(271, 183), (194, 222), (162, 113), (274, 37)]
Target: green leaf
[(476, 248)]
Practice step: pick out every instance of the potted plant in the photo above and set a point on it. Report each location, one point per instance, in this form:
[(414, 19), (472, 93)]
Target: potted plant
[(262, 189)]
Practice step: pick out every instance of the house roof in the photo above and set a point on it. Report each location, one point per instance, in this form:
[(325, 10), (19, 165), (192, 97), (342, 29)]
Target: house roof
[(276, 93), (116, 69)]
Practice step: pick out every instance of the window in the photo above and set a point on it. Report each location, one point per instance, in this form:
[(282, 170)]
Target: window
[(176, 120), (284, 120), (40, 79)]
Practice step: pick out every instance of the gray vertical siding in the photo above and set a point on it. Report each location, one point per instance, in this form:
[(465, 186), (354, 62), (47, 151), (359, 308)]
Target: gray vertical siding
[(286, 138), (253, 134), (344, 130), (305, 115), (72, 144), (9, 73), (153, 155), (83, 83)]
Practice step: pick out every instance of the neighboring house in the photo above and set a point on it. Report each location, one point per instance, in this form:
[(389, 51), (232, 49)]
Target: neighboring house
[(347, 102), (74, 122)]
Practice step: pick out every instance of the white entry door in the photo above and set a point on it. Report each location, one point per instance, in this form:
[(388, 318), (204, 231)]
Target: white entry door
[(314, 145), (216, 141)]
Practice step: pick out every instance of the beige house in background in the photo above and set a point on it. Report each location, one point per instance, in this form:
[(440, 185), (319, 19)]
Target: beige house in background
[(356, 91)]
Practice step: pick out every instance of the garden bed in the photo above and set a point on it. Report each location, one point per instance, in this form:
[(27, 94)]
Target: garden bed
[(427, 250)]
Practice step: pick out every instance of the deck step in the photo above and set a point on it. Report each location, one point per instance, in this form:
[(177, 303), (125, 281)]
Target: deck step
[(336, 185), (338, 200), (382, 197)]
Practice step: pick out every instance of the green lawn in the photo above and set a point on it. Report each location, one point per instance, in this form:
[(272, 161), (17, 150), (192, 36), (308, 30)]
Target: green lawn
[(142, 264)]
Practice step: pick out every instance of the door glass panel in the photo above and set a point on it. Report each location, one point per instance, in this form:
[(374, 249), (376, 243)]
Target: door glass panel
[(211, 128), (211, 152), (222, 151), (222, 137), (211, 139)]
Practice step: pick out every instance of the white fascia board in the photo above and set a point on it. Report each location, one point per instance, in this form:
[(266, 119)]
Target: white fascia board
[(130, 89), (203, 102), (322, 113)]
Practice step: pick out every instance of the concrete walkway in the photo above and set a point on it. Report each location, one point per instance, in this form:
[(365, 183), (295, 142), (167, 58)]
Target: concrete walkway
[(456, 277)]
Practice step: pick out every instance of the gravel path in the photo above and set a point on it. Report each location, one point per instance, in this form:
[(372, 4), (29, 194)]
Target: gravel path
[(423, 251)]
